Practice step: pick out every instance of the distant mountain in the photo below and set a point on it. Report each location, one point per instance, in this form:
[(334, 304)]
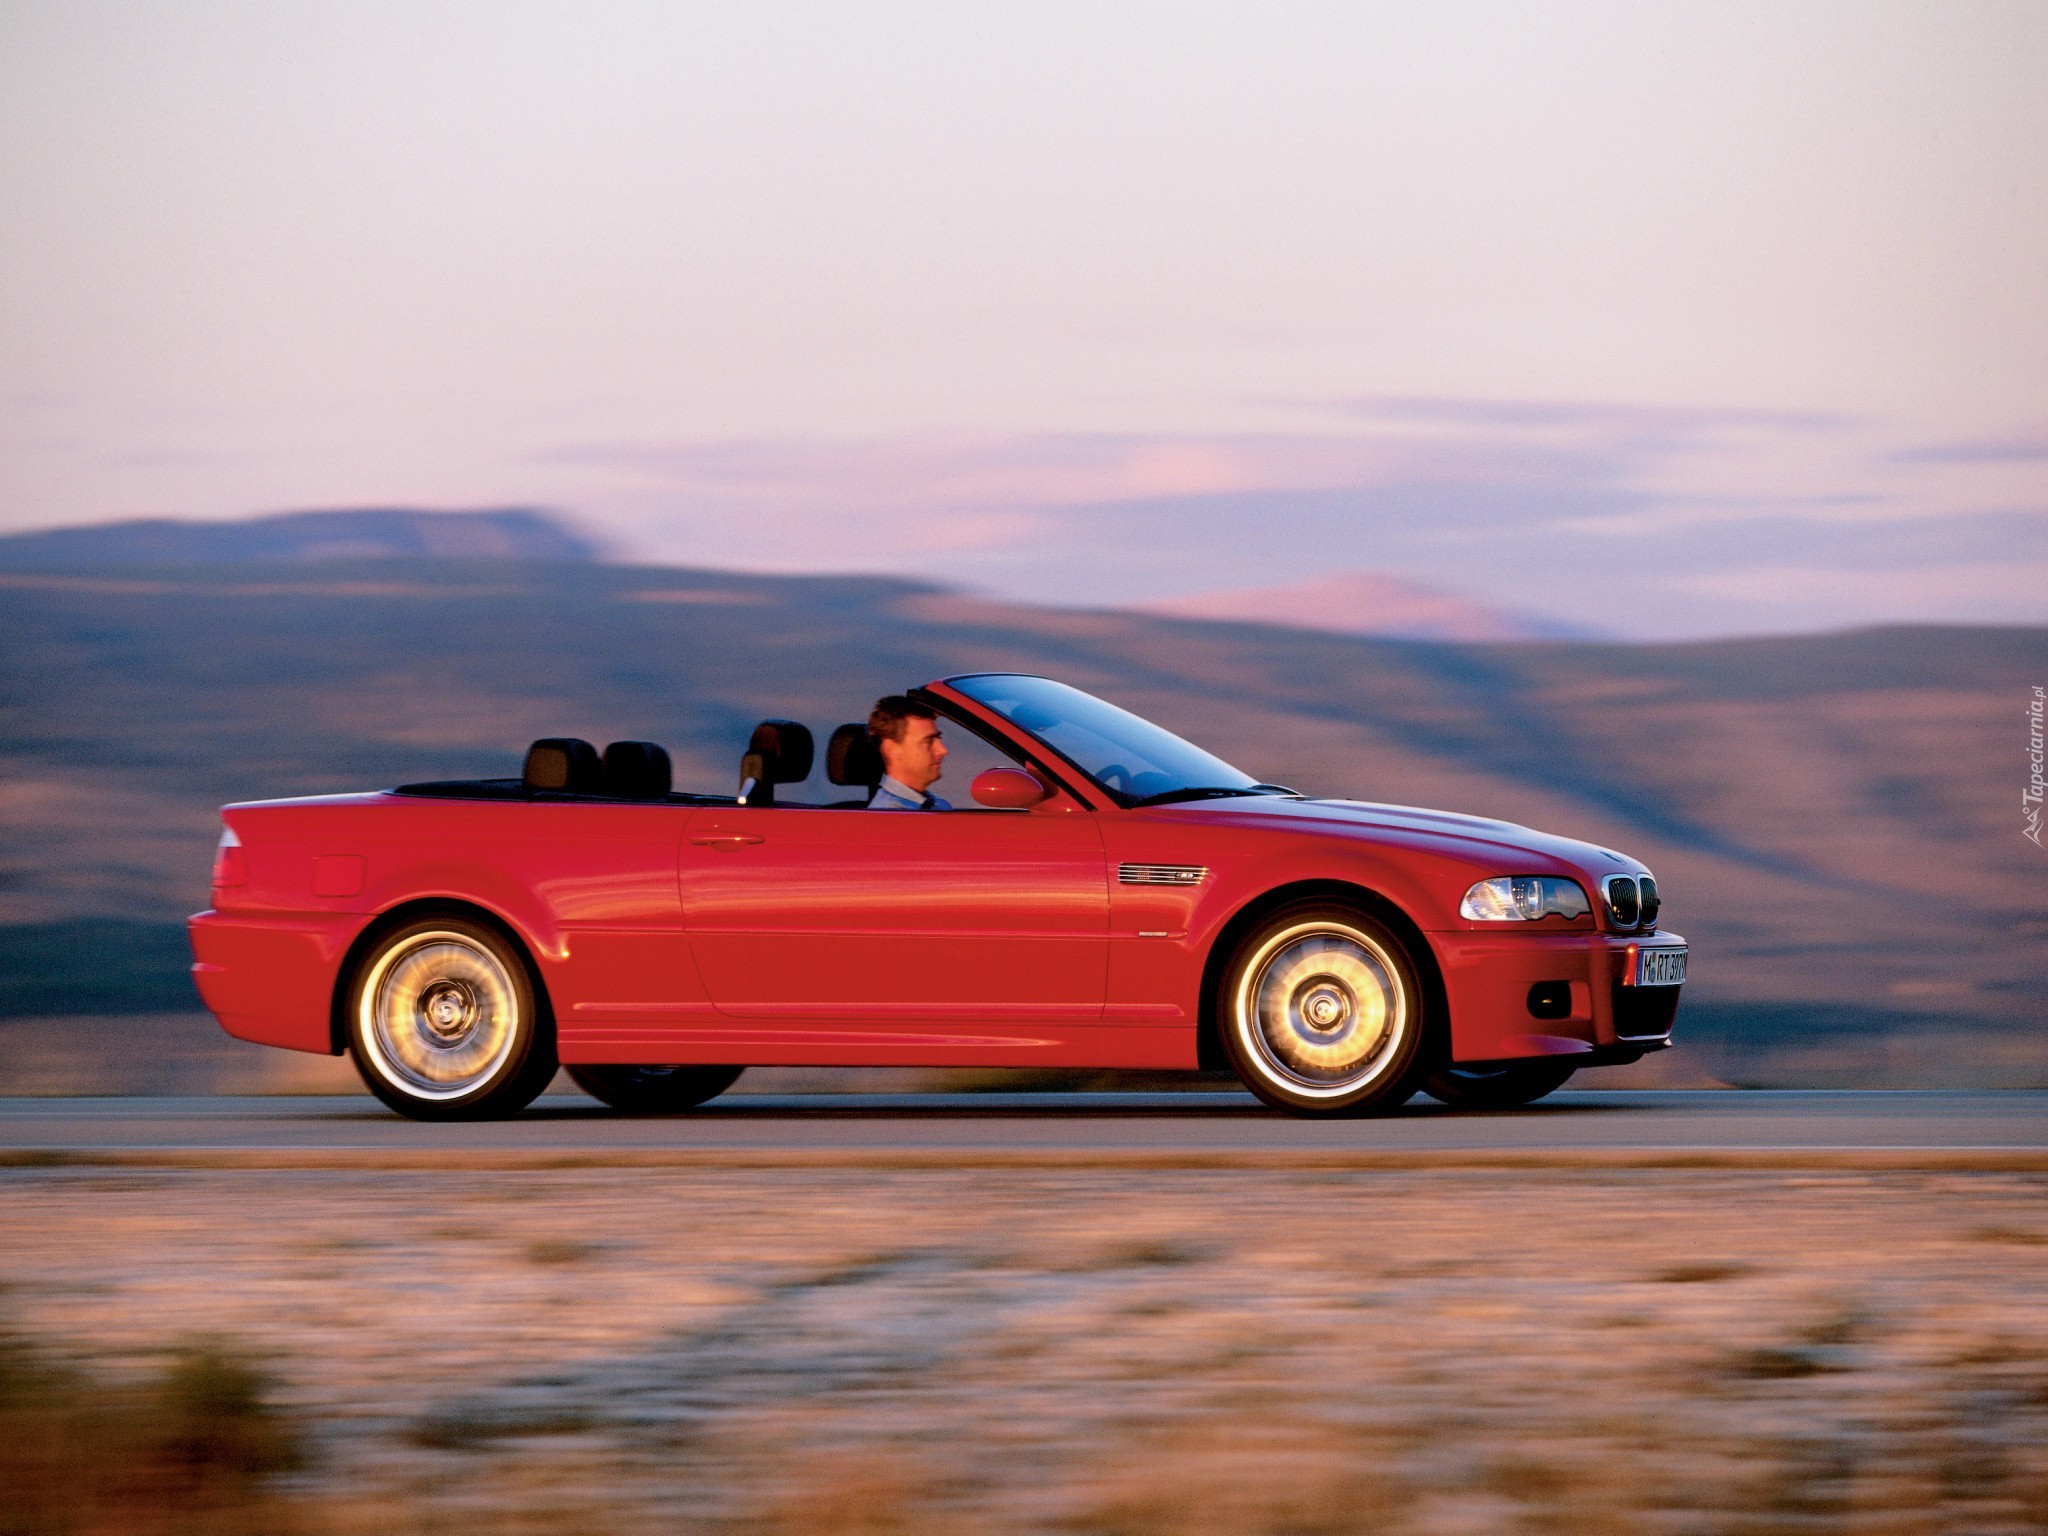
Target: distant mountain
[(1362, 603), (511, 533)]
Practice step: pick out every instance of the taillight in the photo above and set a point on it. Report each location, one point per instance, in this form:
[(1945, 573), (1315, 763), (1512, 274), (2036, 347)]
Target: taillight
[(228, 865)]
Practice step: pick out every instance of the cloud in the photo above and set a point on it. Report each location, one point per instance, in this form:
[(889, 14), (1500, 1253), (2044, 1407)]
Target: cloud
[(1638, 519), (1575, 414), (1060, 469), (1985, 450), (167, 458), (1989, 591), (1585, 452)]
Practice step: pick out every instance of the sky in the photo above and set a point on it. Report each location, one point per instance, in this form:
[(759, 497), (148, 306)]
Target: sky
[(1664, 321)]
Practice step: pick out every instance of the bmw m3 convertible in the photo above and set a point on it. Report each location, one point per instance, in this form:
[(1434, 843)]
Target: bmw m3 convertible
[(1115, 897)]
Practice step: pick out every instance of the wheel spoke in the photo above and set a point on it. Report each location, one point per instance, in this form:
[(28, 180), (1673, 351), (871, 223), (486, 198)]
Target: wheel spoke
[(440, 1015), (1323, 1007)]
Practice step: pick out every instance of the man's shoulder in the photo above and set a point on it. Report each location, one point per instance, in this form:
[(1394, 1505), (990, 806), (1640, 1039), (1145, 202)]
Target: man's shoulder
[(889, 796), (892, 796)]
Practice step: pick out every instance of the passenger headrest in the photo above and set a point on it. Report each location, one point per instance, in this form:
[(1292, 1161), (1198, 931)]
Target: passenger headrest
[(785, 750), (637, 770), (566, 763), (851, 757)]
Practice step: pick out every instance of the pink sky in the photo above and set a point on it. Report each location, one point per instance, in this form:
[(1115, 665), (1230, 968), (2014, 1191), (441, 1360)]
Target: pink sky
[(1718, 317)]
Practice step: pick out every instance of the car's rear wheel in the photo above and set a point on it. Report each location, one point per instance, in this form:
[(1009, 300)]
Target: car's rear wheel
[(654, 1090), (444, 1022), (1507, 1085), (1321, 1012)]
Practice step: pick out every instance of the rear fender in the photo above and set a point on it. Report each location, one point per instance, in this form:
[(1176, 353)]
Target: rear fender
[(510, 901), (448, 903)]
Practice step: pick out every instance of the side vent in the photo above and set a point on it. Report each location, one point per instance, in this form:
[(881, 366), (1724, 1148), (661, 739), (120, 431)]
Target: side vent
[(1161, 874)]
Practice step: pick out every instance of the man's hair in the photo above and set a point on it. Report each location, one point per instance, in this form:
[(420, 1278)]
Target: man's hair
[(889, 716)]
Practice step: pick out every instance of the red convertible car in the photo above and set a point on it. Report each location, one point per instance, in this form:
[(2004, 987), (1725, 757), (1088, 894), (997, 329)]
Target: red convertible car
[(1117, 897)]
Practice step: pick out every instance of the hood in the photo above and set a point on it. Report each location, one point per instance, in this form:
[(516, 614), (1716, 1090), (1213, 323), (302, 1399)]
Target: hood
[(1477, 839)]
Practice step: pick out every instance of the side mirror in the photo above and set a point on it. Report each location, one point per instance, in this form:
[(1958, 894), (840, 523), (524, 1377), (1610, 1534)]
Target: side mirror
[(1008, 789)]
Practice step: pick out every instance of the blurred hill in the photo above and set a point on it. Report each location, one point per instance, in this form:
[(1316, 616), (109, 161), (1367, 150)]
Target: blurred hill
[(505, 534), (1366, 603), (1833, 818)]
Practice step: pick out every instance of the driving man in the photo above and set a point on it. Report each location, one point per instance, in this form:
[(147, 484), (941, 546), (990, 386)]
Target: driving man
[(906, 734)]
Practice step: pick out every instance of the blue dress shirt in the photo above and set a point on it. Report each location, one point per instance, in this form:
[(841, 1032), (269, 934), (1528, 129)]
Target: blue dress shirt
[(892, 796)]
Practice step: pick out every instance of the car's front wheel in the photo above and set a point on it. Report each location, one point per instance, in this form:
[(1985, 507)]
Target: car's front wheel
[(1505, 1085), (653, 1090), (1321, 1012), (444, 1022)]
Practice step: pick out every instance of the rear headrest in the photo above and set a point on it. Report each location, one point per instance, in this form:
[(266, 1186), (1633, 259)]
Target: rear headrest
[(851, 757), (565, 763), (785, 750), (637, 770)]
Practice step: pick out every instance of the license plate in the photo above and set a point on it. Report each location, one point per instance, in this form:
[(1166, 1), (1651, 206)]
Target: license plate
[(1660, 967)]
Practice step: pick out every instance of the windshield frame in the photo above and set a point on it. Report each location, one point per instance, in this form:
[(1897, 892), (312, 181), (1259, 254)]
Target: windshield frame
[(1120, 798), (1031, 754)]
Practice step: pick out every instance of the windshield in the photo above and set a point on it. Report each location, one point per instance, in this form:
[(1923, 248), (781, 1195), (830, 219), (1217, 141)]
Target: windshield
[(1119, 750)]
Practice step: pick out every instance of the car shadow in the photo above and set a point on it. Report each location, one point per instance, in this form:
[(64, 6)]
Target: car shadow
[(1046, 1106), (1209, 1106)]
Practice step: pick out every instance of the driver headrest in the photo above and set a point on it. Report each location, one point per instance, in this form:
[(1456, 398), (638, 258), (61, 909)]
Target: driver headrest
[(637, 770), (566, 763), (851, 757), (785, 750)]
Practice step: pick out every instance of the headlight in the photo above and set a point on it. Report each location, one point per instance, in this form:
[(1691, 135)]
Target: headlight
[(1523, 899)]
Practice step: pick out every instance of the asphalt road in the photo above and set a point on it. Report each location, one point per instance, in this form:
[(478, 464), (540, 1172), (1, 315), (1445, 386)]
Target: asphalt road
[(938, 1127)]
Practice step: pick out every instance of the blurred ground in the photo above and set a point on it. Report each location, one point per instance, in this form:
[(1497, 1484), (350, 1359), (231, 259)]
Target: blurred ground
[(187, 1053), (1079, 1350), (1135, 1130), (155, 1053)]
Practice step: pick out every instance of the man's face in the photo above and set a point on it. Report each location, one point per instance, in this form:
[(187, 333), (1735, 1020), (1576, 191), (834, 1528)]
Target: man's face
[(914, 761)]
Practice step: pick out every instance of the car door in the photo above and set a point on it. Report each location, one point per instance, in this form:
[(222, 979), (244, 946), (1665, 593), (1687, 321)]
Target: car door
[(619, 970), (816, 917)]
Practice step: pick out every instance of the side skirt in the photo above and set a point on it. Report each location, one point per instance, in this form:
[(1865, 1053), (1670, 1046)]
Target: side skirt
[(1053, 1045)]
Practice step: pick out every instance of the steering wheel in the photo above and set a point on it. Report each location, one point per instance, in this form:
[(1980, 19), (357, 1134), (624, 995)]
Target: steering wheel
[(1116, 776)]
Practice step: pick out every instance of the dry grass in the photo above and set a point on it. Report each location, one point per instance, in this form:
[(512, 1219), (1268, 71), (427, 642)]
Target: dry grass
[(1700, 1274), (550, 1251), (196, 1445), (2024, 1236), (1066, 1353)]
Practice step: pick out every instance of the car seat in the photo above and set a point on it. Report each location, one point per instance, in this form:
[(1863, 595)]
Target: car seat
[(779, 752), (852, 758), (637, 770), (564, 764)]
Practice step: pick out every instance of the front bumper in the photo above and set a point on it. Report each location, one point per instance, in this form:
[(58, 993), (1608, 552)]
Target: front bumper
[(1488, 977)]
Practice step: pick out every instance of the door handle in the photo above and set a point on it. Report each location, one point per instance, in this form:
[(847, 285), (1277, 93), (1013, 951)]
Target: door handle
[(727, 839)]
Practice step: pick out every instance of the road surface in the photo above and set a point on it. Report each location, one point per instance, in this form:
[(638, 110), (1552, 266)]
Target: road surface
[(2004, 1128)]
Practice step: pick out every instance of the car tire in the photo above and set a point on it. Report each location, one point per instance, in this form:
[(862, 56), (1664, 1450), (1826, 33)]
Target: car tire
[(1507, 1085), (446, 1022), (653, 1090), (1321, 1011)]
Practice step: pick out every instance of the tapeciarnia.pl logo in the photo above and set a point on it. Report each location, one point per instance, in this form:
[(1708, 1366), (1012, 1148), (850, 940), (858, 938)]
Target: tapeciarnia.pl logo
[(2030, 797)]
